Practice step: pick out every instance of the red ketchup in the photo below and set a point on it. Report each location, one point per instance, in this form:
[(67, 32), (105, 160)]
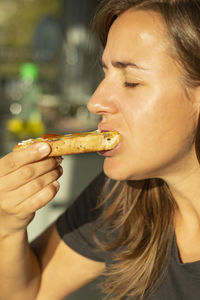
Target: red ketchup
[(50, 136)]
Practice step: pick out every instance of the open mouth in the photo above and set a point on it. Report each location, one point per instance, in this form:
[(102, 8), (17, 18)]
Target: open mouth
[(112, 152)]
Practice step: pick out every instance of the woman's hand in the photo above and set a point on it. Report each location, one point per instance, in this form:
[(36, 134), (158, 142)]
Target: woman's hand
[(28, 181)]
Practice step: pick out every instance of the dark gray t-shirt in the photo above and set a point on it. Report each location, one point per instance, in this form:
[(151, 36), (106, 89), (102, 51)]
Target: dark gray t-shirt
[(76, 226)]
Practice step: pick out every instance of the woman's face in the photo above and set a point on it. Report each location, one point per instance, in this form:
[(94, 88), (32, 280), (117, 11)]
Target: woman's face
[(142, 97)]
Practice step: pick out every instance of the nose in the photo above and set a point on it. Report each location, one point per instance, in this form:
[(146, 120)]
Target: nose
[(103, 101)]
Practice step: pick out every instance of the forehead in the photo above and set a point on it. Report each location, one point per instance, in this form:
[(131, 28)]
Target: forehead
[(137, 33)]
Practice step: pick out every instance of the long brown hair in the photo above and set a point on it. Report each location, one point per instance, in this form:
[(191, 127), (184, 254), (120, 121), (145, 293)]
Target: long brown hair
[(143, 211)]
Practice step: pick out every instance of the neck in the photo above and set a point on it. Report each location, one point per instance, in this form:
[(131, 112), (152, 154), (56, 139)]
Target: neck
[(187, 217), (186, 192)]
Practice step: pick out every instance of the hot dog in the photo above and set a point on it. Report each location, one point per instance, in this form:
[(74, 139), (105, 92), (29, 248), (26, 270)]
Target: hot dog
[(75, 143)]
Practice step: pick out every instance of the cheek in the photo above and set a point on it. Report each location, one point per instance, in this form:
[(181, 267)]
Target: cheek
[(153, 145), (164, 123)]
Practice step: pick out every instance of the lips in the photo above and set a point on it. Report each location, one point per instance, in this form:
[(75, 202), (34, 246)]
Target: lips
[(103, 127), (111, 153), (106, 127)]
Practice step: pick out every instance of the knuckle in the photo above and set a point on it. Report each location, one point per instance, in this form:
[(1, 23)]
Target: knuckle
[(36, 185), (4, 205), (10, 162), (26, 172)]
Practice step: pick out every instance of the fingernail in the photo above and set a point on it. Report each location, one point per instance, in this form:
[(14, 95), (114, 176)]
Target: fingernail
[(43, 148), (56, 184)]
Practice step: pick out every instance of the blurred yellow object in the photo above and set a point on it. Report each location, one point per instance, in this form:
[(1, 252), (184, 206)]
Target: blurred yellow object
[(29, 129), (35, 127), (15, 125)]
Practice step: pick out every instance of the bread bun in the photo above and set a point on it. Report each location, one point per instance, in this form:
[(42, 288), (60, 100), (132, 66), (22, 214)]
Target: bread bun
[(75, 143)]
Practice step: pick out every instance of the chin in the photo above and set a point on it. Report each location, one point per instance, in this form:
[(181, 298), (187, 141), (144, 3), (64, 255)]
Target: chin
[(114, 175), (115, 171), (121, 172)]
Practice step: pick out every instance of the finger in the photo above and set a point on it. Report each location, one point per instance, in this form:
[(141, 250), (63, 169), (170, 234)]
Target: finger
[(39, 200), (27, 173), (15, 198), (15, 160)]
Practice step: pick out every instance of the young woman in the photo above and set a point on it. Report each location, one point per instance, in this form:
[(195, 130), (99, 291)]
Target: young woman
[(144, 234)]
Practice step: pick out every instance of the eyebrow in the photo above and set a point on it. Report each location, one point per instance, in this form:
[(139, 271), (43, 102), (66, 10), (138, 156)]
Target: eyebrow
[(121, 65)]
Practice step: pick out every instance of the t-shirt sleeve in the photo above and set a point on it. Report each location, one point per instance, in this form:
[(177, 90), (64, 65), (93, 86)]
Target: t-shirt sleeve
[(76, 225)]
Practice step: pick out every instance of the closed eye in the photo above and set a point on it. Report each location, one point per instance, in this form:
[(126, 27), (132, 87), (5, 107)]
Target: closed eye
[(131, 84)]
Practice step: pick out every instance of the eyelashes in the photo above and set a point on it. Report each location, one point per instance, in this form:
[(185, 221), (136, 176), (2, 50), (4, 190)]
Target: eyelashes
[(131, 84)]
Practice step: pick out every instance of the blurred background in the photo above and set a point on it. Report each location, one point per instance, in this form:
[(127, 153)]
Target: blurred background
[(48, 71)]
